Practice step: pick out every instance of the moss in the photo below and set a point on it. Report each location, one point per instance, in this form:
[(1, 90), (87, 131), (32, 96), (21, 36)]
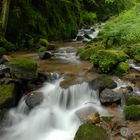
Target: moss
[(108, 59), (133, 101), (43, 42), (24, 63), (88, 51), (23, 68), (42, 49), (123, 67), (132, 112), (6, 92), (2, 51), (90, 132)]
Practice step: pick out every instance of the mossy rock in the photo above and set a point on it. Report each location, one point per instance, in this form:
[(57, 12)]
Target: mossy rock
[(102, 82), (6, 92), (132, 112), (44, 42), (90, 132), (23, 68), (133, 101), (42, 49), (88, 51), (123, 67), (2, 51), (106, 60)]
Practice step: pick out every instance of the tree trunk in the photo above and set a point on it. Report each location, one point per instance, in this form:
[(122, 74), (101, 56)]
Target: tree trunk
[(4, 13)]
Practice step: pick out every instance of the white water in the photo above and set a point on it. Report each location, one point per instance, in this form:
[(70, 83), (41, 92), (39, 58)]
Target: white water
[(55, 118)]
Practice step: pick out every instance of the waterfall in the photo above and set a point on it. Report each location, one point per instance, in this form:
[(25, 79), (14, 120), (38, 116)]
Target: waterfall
[(55, 118)]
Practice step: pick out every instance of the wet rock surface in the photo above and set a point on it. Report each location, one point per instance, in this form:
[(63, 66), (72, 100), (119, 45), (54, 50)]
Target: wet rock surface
[(108, 96), (33, 99), (102, 82)]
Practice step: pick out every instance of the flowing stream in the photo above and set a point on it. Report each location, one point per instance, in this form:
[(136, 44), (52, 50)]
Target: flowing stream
[(55, 118)]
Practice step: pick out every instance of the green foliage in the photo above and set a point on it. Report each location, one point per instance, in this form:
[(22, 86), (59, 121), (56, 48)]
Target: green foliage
[(133, 101), (6, 92), (48, 18), (132, 112), (2, 51), (108, 59), (123, 67), (134, 51), (88, 18), (8, 46), (137, 58), (123, 30), (88, 51), (90, 132)]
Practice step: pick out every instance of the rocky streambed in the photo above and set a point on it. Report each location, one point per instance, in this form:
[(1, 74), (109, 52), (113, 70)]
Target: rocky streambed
[(72, 95)]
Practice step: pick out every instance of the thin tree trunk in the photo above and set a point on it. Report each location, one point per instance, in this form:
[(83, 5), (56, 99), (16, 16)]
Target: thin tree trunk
[(4, 16)]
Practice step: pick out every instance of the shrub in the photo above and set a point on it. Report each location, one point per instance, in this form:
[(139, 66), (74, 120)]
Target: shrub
[(108, 59), (123, 67), (123, 30), (132, 112), (88, 18)]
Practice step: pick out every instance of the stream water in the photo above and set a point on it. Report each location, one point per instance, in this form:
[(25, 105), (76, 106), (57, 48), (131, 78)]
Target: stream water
[(55, 118)]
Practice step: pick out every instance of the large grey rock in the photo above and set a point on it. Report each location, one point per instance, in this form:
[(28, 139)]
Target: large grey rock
[(33, 99), (108, 96)]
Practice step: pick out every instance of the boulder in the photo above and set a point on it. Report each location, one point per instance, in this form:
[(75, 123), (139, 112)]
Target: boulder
[(45, 55), (33, 99), (80, 38), (102, 82), (108, 96), (84, 113), (91, 132), (4, 59), (23, 68), (4, 70)]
